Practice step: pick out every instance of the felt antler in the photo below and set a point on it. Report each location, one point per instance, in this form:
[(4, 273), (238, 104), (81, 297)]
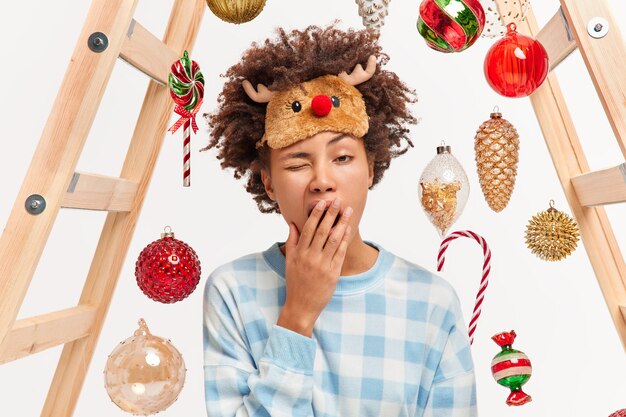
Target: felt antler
[(260, 95), (358, 74)]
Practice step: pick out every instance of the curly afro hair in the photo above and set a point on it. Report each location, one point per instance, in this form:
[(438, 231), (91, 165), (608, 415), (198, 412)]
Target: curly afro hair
[(295, 57)]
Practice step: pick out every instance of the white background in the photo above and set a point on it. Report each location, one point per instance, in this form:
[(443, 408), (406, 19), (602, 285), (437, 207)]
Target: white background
[(557, 309)]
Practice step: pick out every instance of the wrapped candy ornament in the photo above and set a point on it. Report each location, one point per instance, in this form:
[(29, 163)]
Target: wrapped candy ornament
[(443, 189), (144, 374), (452, 25), (511, 368), (167, 270)]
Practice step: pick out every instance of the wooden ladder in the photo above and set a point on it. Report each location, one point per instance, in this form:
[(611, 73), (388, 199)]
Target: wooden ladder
[(109, 32), (586, 191)]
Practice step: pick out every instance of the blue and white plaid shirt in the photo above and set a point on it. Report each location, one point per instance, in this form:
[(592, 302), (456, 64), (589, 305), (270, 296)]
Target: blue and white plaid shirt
[(391, 342)]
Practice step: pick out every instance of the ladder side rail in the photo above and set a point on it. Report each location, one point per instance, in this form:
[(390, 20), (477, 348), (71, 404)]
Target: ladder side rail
[(57, 153), (569, 161), (118, 229)]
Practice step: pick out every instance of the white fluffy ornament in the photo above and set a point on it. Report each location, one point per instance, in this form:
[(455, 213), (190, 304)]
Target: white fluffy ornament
[(373, 13)]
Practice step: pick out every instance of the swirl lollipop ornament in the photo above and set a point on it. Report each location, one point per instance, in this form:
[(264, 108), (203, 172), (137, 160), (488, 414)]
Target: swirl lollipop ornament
[(187, 89)]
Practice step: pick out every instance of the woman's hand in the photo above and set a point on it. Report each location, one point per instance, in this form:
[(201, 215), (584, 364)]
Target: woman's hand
[(314, 261)]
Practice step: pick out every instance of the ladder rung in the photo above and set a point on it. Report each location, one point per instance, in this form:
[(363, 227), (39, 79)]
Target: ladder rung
[(99, 192), (34, 334), (601, 187), (557, 38), (147, 53)]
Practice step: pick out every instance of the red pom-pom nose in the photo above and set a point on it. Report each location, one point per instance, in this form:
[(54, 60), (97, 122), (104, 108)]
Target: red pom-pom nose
[(321, 105)]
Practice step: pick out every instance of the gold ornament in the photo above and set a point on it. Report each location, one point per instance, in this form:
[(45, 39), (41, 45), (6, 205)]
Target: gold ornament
[(236, 11), (497, 153), (552, 234), (439, 201), (144, 374)]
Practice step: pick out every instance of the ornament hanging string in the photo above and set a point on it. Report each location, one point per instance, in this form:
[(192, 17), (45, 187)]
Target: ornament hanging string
[(485, 275)]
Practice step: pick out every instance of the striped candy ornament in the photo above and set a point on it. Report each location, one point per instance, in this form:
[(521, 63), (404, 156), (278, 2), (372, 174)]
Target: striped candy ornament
[(511, 368), (187, 90), (450, 25), (485, 275)]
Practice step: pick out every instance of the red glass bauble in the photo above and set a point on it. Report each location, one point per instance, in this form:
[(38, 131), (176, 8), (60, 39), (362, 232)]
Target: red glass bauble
[(620, 413), (516, 65), (167, 270)]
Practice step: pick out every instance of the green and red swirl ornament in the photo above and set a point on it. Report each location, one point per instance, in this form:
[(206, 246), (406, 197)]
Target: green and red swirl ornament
[(187, 89), (511, 368), (451, 25)]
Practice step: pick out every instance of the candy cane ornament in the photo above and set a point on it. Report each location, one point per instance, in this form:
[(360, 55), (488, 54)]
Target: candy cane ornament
[(187, 90), (486, 269)]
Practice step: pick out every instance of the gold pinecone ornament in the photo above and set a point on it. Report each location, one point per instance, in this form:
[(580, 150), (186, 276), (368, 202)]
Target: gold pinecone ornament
[(497, 153), (552, 234)]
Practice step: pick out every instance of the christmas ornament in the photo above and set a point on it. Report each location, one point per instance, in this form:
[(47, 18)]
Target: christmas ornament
[(495, 22), (236, 11), (187, 89), (485, 276), (551, 234), (450, 25), (516, 65), (373, 13), (511, 368), (620, 413), (497, 153), (144, 374), (167, 270), (443, 190)]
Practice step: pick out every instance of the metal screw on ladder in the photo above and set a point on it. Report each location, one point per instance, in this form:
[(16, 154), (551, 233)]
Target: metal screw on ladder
[(35, 204), (98, 42), (598, 27)]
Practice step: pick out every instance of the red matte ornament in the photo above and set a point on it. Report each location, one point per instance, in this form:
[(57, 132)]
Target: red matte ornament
[(167, 270), (321, 105), (516, 65)]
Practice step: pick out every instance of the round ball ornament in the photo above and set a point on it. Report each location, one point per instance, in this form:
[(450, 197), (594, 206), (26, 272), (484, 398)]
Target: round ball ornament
[(496, 146), (144, 374), (168, 269), (516, 65), (443, 190), (451, 25), (236, 11), (552, 234), (619, 413), (511, 368)]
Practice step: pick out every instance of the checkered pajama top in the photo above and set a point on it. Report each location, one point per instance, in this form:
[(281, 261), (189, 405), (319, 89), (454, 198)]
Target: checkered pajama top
[(391, 342)]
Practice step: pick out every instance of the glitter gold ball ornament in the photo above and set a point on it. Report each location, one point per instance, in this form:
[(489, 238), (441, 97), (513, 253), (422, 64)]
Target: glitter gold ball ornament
[(144, 374), (236, 11), (551, 234), (496, 145)]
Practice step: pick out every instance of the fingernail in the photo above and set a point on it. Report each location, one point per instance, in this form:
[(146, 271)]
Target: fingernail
[(321, 204), (348, 212), (336, 202)]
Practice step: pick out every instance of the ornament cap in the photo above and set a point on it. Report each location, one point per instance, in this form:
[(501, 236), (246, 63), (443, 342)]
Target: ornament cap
[(444, 149), (167, 233)]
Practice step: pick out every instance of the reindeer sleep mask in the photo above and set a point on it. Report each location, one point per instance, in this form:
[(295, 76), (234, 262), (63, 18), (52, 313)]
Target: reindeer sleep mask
[(326, 103)]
